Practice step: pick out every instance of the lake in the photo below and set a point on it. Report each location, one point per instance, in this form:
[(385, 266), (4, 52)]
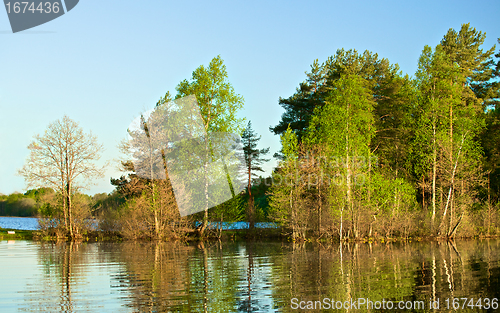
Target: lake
[(248, 276), (24, 223), (31, 223)]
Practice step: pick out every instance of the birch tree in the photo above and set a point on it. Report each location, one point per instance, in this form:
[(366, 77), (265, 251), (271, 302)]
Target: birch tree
[(284, 202), (345, 127), (448, 120), (218, 103)]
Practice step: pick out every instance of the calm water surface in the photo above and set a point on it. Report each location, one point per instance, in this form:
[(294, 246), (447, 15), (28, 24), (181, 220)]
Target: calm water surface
[(25, 223), (240, 276), (31, 223)]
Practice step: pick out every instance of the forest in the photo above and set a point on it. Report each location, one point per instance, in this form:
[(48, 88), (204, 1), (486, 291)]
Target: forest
[(366, 152)]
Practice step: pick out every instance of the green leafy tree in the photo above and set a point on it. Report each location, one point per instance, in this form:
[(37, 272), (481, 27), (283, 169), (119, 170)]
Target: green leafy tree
[(218, 103), (480, 91), (448, 121), (344, 126), (379, 74), (284, 193)]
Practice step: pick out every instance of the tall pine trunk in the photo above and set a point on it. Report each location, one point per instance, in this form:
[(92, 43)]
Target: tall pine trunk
[(251, 208)]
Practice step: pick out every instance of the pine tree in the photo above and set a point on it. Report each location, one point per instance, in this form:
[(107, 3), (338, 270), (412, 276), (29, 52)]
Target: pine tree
[(311, 94), (463, 48), (253, 160)]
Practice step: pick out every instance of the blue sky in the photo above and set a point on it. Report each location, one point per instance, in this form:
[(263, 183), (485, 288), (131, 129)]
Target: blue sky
[(105, 62)]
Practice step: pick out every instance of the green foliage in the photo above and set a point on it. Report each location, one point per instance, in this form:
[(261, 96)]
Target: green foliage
[(218, 101), (32, 203), (410, 139), (232, 210), (345, 124), (284, 203), (253, 156), (448, 120), (366, 150), (378, 74), (289, 143)]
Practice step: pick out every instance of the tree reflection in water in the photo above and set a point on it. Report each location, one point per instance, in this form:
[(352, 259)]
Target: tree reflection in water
[(256, 276), (53, 291)]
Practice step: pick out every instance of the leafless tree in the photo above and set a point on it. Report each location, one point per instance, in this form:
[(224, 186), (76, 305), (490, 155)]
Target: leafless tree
[(63, 158)]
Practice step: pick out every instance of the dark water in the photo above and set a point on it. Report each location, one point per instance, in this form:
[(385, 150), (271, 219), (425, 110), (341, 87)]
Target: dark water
[(245, 276)]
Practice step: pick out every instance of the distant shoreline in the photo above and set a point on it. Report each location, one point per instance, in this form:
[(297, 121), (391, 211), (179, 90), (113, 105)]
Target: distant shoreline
[(20, 216), (226, 235)]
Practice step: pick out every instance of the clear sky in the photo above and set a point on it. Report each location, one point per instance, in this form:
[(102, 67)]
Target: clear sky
[(105, 62)]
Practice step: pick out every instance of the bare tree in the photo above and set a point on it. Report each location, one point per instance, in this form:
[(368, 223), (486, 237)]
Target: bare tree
[(63, 159)]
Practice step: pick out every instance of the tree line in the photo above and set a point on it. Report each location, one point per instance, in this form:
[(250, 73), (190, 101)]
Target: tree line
[(367, 151), (393, 155)]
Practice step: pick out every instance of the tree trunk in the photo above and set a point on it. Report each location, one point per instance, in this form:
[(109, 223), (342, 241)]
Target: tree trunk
[(348, 170), (448, 199), (205, 215), (489, 205), (451, 167), (341, 225), (65, 209), (423, 193), (70, 217), (292, 213), (434, 174), (452, 232), (250, 215), (320, 205)]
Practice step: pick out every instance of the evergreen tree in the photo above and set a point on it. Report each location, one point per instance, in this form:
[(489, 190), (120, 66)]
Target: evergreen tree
[(378, 73), (463, 48), (253, 159)]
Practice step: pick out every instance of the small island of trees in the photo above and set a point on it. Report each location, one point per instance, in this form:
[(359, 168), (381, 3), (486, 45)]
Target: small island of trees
[(367, 152)]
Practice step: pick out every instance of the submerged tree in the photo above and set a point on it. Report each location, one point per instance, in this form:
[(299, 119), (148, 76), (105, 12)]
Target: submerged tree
[(63, 159)]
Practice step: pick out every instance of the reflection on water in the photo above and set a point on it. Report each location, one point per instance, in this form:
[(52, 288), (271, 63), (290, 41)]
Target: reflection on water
[(242, 276)]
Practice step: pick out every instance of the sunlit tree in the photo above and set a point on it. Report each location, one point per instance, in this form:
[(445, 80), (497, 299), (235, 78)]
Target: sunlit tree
[(64, 159)]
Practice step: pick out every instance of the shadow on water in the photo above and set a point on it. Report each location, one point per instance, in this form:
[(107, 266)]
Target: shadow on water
[(257, 276)]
